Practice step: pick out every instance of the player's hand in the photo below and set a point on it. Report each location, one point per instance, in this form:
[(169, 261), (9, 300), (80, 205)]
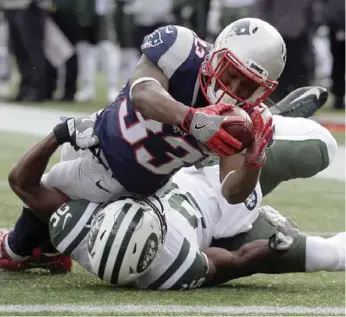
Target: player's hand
[(207, 126), (263, 128), (280, 242), (79, 132)]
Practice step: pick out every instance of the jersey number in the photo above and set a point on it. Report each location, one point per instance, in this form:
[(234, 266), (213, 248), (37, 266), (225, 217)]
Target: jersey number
[(139, 131), (62, 212), (183, 203), (200, 47)]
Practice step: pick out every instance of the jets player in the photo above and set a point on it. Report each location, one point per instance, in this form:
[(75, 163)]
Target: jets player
[(143, 225), (130, 240)]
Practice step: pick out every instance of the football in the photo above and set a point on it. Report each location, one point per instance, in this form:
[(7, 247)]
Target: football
[(242, 132)]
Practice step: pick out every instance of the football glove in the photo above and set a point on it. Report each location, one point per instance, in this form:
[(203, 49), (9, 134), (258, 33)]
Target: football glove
[(263, 129), (207, 126), (79, 132)]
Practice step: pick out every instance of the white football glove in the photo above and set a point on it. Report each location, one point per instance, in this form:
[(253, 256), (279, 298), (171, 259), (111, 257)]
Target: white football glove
[(79, 132)]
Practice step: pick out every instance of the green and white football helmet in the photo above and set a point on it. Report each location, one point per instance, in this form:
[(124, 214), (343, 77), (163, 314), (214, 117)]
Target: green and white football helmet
[(125, 237)]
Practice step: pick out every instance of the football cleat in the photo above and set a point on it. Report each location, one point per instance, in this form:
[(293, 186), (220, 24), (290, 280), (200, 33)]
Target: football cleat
[(55, 263), (301, 103)]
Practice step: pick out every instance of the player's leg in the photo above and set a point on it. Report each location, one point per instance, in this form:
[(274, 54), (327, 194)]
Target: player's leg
[(83, 178), (302, 148), (307, 253), (68, 153), (28, 245), (69, 228)]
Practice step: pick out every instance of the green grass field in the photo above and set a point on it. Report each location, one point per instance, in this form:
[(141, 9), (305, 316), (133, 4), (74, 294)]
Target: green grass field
[(317, 205)]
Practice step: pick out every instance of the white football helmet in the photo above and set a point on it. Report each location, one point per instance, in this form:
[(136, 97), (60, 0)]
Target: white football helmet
[(125, 237), (244, 64)]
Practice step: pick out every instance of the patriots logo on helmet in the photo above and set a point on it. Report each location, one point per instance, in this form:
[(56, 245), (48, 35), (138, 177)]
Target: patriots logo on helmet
[(152, 40), (241, 28)]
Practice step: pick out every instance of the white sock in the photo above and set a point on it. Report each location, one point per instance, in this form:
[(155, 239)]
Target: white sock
[(325, 254)]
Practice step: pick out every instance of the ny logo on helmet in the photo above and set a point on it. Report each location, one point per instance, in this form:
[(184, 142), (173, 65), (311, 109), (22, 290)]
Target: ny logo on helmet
[(241, 28)]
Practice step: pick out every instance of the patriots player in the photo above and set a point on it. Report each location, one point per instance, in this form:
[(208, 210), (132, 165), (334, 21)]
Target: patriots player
[(169, 114), (185, 236)]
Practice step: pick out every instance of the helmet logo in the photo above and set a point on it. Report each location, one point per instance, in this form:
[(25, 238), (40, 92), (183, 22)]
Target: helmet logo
[(95, 228), (152, 40), (241, 27), (148, 253)]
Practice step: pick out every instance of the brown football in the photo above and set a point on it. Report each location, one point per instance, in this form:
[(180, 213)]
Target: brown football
[(242, 132)]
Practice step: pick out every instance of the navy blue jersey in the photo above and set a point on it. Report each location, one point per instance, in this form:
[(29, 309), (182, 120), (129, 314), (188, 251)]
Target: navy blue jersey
[(144, 154)]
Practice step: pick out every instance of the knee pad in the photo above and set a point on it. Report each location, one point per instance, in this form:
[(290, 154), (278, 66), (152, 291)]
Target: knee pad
[(301, 129), (322, 134)]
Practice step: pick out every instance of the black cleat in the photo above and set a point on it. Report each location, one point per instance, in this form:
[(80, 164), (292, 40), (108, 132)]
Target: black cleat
[(301, 103)]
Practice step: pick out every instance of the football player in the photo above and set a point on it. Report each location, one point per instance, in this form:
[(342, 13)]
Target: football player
[(169, 108), (94, 177), (170, 113), (177, 239), (302, 149)]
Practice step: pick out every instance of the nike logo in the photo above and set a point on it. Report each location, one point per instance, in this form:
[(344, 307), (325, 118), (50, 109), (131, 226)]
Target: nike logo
[(312, 91), (197, 127), (102, 234), (68, 216), (98, 184)]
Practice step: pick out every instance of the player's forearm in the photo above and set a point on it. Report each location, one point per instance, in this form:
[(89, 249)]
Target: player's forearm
[(225, 265), (238, 185), (155, 103), (26, 175)]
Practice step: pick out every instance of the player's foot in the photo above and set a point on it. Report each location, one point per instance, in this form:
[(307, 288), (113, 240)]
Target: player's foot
[(302, 102), (55, 263)]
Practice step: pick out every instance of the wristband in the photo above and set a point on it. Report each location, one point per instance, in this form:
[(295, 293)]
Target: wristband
[(61, 132)]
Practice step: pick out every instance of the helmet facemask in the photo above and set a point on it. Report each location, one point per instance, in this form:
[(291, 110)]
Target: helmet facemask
[(222, 73)]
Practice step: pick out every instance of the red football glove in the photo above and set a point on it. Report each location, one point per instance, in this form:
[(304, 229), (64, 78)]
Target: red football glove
[(207, 126), (263, 128)]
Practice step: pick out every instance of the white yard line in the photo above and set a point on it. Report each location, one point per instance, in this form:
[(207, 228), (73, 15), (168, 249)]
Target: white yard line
[(30, 120), (137, 309)]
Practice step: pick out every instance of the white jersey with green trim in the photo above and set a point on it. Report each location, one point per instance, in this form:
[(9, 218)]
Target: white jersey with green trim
[(195, 212)]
